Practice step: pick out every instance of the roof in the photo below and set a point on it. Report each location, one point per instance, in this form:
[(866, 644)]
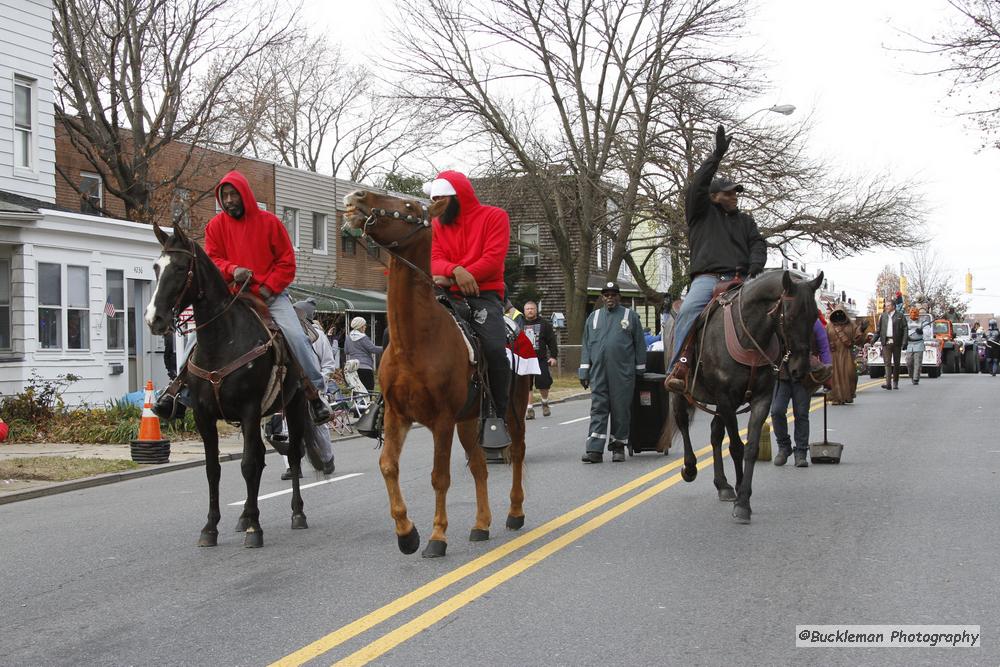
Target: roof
[(330, 299), (15, 203)]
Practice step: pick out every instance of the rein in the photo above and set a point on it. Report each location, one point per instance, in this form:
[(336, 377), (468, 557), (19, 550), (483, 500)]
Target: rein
[(175, 311)]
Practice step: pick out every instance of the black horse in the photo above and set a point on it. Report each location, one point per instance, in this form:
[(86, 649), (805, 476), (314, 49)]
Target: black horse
[(238, 359), (773, 311)]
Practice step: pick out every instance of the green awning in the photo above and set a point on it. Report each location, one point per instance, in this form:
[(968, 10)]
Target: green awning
[(331, 299)]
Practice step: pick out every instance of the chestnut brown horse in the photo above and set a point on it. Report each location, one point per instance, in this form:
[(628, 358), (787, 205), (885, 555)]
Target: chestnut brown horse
[(425, 373)]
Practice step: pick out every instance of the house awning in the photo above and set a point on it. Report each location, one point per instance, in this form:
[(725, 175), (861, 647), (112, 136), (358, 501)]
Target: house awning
[(331, 299)]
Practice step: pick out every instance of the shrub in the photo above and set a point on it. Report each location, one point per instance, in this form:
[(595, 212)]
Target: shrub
[(39, 401)]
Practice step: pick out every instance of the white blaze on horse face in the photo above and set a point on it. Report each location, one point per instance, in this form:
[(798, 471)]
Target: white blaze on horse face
[(161, 264)]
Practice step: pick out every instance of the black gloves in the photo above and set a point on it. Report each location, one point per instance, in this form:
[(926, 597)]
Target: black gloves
[(722, 141), (755, 270), (585, 383)]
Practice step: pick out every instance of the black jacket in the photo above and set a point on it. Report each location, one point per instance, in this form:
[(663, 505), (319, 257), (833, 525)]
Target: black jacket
[(546, 344), (720, 242)]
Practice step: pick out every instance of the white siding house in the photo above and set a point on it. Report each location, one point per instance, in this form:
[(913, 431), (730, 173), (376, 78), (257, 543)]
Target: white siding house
[(27, 136), (307, 204), (61, 272)]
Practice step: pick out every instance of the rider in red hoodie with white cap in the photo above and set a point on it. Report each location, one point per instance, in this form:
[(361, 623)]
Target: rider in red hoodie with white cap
[(467, 255), (248, 244)]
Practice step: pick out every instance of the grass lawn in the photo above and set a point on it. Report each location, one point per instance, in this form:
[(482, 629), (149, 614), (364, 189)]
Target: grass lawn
[(59, 468)]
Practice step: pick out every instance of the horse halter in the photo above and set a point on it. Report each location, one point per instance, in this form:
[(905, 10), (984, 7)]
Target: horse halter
[(175, 310), (421, 223)]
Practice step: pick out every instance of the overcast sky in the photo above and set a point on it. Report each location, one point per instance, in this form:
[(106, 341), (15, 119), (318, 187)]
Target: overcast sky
[(871, 115)]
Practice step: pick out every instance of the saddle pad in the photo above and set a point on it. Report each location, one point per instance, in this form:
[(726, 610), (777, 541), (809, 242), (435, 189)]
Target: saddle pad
[(468, 343), (742, 355)]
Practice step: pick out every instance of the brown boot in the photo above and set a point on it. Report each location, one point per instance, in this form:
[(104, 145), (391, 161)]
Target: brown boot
[(677, 380)]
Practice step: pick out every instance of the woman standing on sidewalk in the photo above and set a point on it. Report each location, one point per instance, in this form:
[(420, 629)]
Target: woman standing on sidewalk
[(359, 346)]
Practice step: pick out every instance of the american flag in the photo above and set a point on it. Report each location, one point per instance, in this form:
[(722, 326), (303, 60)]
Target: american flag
[(109, 309)]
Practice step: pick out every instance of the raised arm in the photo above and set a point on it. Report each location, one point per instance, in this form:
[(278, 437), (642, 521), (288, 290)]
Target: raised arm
[(697, 195)]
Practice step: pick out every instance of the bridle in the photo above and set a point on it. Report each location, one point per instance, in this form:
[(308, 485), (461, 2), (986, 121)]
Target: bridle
[(421, 222), (175, 311)]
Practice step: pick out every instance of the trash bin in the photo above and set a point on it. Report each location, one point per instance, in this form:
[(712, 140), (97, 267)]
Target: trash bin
[(649, 413)]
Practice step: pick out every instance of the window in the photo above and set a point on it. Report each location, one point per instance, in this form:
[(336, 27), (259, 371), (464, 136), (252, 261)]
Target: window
[(91, 193), (180, 209), (290, 217), (49, 306), (116, 297), (319, 232), (528, 234), (348, 245), (24, 123), (78, 308), (5, 332)]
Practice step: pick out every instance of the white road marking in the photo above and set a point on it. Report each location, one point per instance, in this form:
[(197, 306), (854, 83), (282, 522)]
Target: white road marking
[(573, 421), (301, 487)]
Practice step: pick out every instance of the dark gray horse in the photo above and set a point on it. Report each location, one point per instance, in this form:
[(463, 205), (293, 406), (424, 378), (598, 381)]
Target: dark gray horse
[(773, 306), (230, 333)]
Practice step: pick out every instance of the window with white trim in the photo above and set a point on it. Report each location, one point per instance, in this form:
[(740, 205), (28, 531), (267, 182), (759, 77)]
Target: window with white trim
[(115, 281), (319, 232), (77, 308), (49, 306), (24, 123), (290, 217), (5, 327), (91, 193), (528, 233)]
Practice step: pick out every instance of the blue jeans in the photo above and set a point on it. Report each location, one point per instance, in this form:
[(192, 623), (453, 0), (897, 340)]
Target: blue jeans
[(698, 296), (284, 316), (785, 390)]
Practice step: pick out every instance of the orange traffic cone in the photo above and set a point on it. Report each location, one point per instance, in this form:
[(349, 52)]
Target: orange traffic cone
[(150, 447)]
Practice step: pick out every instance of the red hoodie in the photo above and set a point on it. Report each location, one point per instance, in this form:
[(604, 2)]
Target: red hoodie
[(257, 241), (477, 240)]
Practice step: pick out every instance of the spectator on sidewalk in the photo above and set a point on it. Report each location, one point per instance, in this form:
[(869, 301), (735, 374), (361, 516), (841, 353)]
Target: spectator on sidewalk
[(543, 337), (360, 347)]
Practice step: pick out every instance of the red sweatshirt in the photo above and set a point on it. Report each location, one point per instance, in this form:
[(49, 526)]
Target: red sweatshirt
[(257, 241), (477, 240)]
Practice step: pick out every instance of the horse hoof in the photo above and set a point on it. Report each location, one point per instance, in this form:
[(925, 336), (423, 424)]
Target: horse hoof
[(299, 522), (208, 539), (727, 495), (410, 542), (242, 524), (435, 549), (515, 522), (254, 539), (476, 535), (688, 474), (741, 514)]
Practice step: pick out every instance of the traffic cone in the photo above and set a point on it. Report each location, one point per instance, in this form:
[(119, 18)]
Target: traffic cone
[(150, 447), (764, 447)]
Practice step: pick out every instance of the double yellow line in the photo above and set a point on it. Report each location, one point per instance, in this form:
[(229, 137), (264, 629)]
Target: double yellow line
[(425, 620)]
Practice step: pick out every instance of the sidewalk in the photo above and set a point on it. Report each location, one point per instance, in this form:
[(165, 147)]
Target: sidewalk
[(183, 454)]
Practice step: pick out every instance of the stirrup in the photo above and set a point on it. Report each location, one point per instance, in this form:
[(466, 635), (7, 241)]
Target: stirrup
[(493, 433)]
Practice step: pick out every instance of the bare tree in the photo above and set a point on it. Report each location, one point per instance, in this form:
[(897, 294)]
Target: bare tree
[(970, 43), (557, 88), (134, 77), (929, 283)]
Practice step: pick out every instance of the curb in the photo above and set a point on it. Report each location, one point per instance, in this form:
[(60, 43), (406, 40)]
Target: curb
[(112, 477)]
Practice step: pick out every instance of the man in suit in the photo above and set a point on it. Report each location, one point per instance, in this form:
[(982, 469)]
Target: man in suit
[(892, 335)]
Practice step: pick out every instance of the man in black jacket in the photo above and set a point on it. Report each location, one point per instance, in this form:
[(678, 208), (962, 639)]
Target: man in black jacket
[(892, 335), (724, 243), (543, 336)]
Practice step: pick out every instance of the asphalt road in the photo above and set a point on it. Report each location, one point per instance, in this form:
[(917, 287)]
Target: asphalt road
[(618, 564)]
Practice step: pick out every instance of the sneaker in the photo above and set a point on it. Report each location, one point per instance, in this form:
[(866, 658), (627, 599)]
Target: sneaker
[(618, 454), (545, 410), (781, 457), (800, 460), (530, 414), (592, 457), (287, 475)]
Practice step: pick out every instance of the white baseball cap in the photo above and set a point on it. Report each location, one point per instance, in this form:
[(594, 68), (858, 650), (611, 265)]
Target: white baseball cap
[(439, 187)]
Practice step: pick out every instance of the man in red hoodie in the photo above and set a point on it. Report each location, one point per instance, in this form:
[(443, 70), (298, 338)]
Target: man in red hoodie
[(467, 256), (247, 243)]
